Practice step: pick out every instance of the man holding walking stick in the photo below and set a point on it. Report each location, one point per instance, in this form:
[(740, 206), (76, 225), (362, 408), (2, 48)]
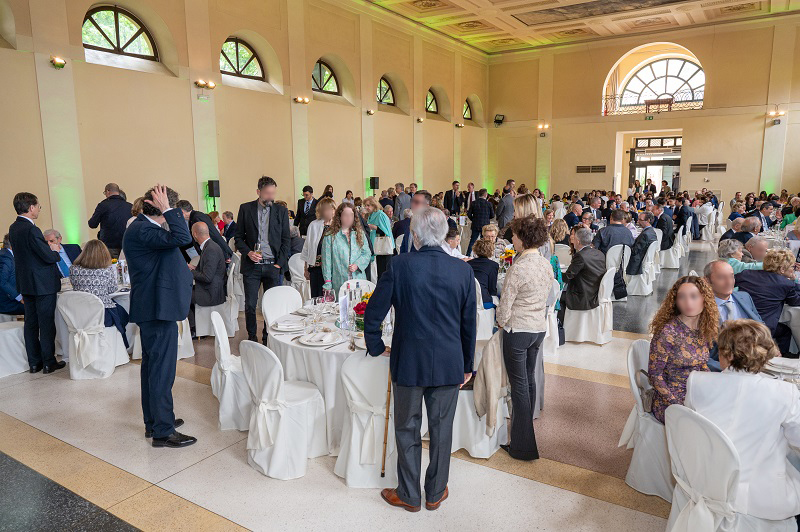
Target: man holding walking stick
[(421, 367)]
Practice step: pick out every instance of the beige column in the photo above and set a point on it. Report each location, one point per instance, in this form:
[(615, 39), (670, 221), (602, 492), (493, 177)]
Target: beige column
[(368, 102), (418, 111), (299, 85), (458, 117), (544, 145)]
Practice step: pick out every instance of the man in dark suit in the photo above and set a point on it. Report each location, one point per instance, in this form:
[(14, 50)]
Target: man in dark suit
[(420, 368), (38, 281), (469, 196), (665, 224), (505, 209), (751, 226), (453, 199), (583, 275), (112, 215), (306, 210), (481, 213), (594, 207), (573, 217), (10, 298), (262, 225), (641, 244), (67, 252), (765, 213), (230, 226), (420, 200), (736, 226), (209, 274), (192, 217), (614, 234), (161, 291)]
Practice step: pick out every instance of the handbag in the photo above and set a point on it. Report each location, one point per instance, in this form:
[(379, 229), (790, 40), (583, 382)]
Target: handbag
[(620, 288), (384, 245)]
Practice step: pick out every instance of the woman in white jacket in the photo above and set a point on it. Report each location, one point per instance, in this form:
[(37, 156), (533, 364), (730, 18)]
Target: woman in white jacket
[(761, 416), (312, 249)]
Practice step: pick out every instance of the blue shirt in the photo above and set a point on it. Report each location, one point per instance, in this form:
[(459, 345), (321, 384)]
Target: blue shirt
[(728, 312), (65, 262)]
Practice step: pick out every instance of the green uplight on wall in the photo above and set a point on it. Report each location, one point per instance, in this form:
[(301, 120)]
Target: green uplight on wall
[(70, 201)]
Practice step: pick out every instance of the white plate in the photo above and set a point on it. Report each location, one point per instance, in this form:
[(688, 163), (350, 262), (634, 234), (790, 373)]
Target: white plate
[(307, 339), (289, 326), (785, 365)]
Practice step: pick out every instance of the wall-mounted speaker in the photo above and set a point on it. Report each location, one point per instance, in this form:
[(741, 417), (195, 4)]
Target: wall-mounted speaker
[(374, 183), (213, 188)]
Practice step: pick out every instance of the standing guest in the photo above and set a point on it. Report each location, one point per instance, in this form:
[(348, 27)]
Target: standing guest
[(481, 213), (38, 281), (345, 251), (505, 209), (136, 210), (684, 329), (420, 368), (328, 192), (469, 196), (209, 274), (388, 210), (229, 231), (161, 291), (521, 315), (306, 210), (93, 272), (573, 217), (453, 199), (750, 228), (559, 232), (386, 200), (402, 201), (485, 269), (420, 200), (737, 198), (111, 215), (348, 197), (615, 233), (583, 275), (665, 224), (641, 244), (67, 252), (379, 225), (263, 239), (312, 247), (412, 189), (192, 217), (10, 298)]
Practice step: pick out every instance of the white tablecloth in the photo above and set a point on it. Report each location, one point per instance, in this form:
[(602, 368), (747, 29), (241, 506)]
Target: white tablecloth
[(13, 358)]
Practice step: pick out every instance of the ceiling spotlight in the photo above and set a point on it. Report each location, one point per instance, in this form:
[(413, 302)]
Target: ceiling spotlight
[(210, 85), (57, 62), (370, 112), (301, 99), (459, 125), (420, 120)]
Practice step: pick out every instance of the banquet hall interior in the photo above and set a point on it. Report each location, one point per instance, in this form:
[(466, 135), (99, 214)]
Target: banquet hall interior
[(596, 97)]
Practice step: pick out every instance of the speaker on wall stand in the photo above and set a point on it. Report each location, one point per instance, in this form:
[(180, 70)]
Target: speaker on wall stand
[(213, 191), (374, 183)]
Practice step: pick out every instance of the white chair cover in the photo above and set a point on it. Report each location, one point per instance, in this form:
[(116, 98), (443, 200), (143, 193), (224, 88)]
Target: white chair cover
[(4, 318), (366, 286), (364, 379), (486, 317), (299, 281), (564, 257), (614, 256), (279, 301), (642, 284), (469, 431), (657, 261), (13, 357), (593, 325), (649, 471), (550, 342), (560, 212), (687, 235), (709, 230), (94, 349), (287, 423), (705, 465), (671, 258), (228, 311), (227, 382), (398, 242), (185, 345), (238, 280)]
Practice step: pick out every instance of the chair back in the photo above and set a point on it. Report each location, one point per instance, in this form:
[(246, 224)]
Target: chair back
[(614, 256), (264, 376), (398, 242), (705, 465), (650, 255), (555, 293), (560, 212), (84, 314), (606, 286), (638, 358), (659, 236), (562, 252), (222, 347), (480, 294), (366, 286), (279, 301), (297, 268), (692, 273), (232, 244)]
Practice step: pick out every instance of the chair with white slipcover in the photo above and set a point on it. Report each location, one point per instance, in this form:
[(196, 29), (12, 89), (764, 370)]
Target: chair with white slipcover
[(363, 284), (486, 317), (228, 311), (227, 381), (649, 471), (299, 281), (687, 235), (560, 213), (616, 256), (657, 259), (4, 318), (562, 251), (238, 280), (593, 325), (671, 258), (398, 242), (550, 342), (279, 301), (13, 357), (185, 345), (469, 430), (287, 421), (364, 379), (642, 284), (94, 349)]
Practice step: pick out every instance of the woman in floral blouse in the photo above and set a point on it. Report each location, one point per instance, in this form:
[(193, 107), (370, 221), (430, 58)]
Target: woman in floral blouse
[(345, 250), (684, 329)]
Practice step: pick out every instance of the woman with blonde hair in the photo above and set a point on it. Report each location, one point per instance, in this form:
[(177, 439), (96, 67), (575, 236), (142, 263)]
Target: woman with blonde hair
[(684, 330), (94, 272), (379, 225), (312, 247), (524, 205), (345, 250), (559, 232), (136, 210)]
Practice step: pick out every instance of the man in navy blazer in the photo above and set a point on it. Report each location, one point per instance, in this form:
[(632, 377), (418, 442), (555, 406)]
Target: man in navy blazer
[(10, 298), (573, 217), (161, 290), (38, 281), (421, 366), (230, 226), (421, 200)]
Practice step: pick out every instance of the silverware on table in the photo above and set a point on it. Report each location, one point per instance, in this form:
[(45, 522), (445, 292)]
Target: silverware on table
[(334, 345)]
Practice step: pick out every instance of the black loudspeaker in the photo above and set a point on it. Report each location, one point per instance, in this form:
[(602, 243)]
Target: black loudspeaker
[(213, 188), (374, 183)]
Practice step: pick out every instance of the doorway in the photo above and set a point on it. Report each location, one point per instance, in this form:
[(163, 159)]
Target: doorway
[(657, 159)]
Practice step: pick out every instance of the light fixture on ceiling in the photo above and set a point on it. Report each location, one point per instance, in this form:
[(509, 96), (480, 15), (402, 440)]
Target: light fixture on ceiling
[(57, 62), (203, 84), (301, 99), (459, 125), (775, 114)]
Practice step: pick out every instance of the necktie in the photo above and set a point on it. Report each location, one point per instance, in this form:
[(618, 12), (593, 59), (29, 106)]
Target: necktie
[(308, 205), (728, 309), (63, 267)]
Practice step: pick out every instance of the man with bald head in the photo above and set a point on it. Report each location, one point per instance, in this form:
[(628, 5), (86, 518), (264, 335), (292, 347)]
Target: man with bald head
[(209, 273), (755, 250), (750, 228)]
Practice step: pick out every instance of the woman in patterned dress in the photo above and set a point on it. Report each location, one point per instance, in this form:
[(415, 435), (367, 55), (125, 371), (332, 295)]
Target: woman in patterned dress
[(684, 329), (345, 250)]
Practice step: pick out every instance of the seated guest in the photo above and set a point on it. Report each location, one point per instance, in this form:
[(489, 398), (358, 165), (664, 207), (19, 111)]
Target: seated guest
[(209, 274), (587, 220), (704, 213), (136, 210), (10, 298), (794, 234), (312, 247), (665, 224), (761, 417), (452, 244), (388, 210), (485, 269), (93, 272), (792, 216), (345, 250), (641, 244), (559, 232), (737, 211), (731, 252), (750, 228), (522, 316), (229, 230), (615, 233), (573, 217), (755, 249), (549, 216), (770, 289), (68, 252), (684, 330), (490, 233), (736, 226), (297, 242), (625, 206), (765, 214), (583, 275)]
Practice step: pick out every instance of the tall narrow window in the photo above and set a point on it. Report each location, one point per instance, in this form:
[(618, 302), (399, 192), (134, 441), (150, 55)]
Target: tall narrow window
[(431, 105), (116, 31), (238, 58), (385, 92), (679, 79), (323, 79), (467, 112)]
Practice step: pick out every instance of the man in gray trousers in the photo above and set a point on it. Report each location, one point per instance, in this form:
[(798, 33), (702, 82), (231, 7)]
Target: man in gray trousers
[(420, 367)]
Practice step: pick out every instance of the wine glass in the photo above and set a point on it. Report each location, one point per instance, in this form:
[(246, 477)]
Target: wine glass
[(259, 249), (329, 298), (318, 308)]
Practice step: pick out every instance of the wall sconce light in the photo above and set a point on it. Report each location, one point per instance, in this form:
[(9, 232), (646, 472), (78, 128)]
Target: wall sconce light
[(203, 84), (544, 126), (420, 120), (459, 125), (301, 99), (370, 112), (776, 112), (58, 62)]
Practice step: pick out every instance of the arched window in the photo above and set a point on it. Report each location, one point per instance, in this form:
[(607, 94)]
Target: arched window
[(431, 105), (324, 80), (676, 78), (114, 30), (238, 58), (385, 92), (467, 112)]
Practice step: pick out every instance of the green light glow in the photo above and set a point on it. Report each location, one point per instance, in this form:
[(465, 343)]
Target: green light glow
[(68, 216)]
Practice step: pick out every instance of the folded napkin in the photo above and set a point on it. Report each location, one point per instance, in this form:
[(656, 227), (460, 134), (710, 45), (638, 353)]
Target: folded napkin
[(288, 323), (785, 364), (322, 338)]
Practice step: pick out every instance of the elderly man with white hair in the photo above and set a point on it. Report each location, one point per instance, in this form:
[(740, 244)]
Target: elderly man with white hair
[(67, 252), (736, 226), (422, 368), (755, 249), (731, 251)]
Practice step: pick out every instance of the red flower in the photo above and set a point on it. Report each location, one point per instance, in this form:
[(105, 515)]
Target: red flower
[(360, 308)]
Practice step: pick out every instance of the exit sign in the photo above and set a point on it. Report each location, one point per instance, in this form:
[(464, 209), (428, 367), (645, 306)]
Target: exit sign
[(648, 117)]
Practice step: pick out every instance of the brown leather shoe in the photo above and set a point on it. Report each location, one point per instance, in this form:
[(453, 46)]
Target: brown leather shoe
[(390, 496), (435, 505)]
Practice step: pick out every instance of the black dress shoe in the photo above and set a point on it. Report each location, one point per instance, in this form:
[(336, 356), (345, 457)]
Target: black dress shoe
[(176, 439), (54, 367), (149, 433), (36, 369)]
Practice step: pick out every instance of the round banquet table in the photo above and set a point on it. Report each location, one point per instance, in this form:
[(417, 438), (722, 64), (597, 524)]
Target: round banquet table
[(321, 367)]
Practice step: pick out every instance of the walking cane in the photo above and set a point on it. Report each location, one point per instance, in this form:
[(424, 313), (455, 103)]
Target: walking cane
[(386, 424)]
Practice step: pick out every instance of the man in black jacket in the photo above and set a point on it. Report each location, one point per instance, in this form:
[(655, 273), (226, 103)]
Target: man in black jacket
[(38, 281), (664, 223), (112, 215), (209, 274), (453, 199), (192, 217), (230, 226), (583, 275), (306, 210), (262, 225), (641, 244), (481, 213)]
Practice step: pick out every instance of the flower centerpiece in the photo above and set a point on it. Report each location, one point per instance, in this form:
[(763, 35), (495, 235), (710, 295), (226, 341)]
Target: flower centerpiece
[(506, 258), (359, 310)]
